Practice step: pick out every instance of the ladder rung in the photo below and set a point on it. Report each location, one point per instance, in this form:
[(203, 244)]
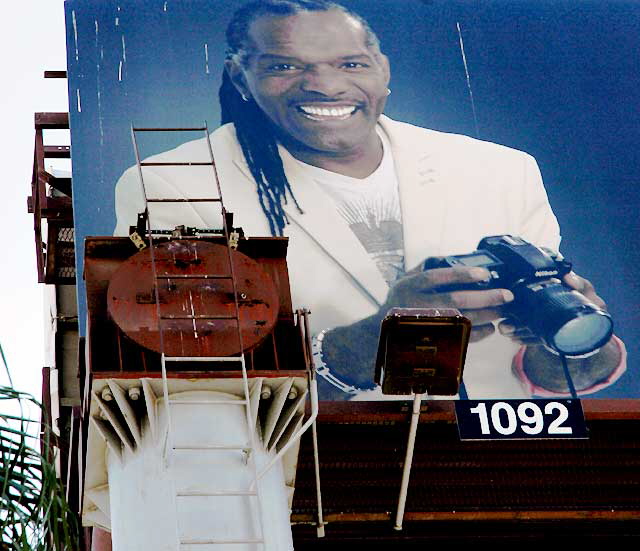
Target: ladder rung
[(203, 358), (163, 129), (195, 276), (211, 448), (215, 402), (222, 493), (185, 163), (185, 200), (219, 542), (197, 317)]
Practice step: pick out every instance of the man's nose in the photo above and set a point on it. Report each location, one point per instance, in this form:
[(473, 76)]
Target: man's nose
[(325, 80)]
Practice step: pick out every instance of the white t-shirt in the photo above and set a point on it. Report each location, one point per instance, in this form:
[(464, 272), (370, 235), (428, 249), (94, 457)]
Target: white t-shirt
[(371, 208)]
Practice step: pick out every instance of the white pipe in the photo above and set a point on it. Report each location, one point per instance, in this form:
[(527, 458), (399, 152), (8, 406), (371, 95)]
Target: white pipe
[(168, 443), (408, 460), (316, 466)]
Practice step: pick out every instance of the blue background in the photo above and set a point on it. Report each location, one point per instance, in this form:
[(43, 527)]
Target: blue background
[(558, 79)]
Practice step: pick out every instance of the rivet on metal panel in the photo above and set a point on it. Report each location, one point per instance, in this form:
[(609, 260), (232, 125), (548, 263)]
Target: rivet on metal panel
[(106, 394), (134, 393)]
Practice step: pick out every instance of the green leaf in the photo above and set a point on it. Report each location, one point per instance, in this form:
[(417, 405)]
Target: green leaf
[(34, 514)]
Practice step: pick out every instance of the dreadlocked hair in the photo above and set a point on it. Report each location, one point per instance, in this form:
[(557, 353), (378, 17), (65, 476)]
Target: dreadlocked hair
[(257, 140), (255, 132)]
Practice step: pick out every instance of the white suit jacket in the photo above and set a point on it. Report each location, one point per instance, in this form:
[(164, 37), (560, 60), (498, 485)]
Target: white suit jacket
[(453, 191)]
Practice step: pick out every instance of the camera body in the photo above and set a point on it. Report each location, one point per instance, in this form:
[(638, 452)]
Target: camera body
[(565, 320)]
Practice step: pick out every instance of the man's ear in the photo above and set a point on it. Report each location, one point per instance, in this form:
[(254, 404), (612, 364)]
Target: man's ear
[(236, 74)]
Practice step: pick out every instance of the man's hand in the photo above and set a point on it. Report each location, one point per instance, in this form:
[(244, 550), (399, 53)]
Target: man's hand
[(584, 287), (544, 369), (510, 328), (436, 288), (350, 351)]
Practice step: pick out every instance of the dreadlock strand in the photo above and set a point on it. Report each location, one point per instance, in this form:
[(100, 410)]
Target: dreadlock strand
[(260, 185), (259, 147)]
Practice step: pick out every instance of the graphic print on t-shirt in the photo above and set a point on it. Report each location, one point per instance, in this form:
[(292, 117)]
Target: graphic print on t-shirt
[(376, 222)]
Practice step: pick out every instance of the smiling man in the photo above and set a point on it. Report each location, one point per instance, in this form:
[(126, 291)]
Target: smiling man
[(305, 152), (321, 84)]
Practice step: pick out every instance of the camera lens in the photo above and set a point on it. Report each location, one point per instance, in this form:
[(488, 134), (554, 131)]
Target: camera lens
[(564, 318), (578, 335)]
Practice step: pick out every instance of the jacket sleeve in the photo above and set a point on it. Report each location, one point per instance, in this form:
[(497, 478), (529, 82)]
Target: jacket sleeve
[(129, 201), (538, 224)]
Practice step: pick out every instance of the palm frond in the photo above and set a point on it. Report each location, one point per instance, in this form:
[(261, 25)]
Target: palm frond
[(34, 514)]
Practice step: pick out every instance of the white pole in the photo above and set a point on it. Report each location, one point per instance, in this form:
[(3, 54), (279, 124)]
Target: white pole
[(408, 460), (316, 465)]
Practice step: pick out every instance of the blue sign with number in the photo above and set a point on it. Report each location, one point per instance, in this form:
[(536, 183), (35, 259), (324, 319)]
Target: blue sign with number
[(520, 419)]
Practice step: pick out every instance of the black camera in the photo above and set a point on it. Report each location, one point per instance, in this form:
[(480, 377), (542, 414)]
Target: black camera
[(561, 317)]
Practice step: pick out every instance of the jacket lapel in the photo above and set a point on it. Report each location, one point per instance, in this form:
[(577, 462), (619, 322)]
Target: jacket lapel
[(321, 223), (423, 187)]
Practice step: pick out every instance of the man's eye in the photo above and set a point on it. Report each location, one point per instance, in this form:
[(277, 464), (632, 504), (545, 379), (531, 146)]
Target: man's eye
[(282, 67), (354, 65)]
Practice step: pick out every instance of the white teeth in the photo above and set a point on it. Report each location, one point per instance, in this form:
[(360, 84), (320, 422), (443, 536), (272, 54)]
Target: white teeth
[(340, 112)]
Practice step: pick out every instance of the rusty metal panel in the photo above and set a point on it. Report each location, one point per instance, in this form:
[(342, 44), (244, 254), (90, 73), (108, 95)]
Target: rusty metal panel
[(196, 313), (112, 350)]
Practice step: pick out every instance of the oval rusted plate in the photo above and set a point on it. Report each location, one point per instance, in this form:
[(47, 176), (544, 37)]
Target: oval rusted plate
[(197, 313)]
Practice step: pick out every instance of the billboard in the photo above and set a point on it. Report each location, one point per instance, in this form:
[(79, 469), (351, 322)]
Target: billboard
[(379, 141)]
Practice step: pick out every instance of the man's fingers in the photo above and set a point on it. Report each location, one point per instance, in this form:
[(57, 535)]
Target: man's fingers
[(436, 288), (578, 283), (471, 300), (585, 287), (479, 332), (483, 316), (430, 280), (458, 275), (508, 328), (518, 333), (527, 341)]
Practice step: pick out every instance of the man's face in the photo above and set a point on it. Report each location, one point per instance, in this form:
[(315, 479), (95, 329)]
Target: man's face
[(315, 77)]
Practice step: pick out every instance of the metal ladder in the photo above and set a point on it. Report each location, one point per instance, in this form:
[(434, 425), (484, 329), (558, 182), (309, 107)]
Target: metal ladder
[(247, 448)]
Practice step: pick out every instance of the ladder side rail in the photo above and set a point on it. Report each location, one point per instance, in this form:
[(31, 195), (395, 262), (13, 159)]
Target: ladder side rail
[(303, 320), (251, 424), (154, 271), (216, 177), (225, 228), (168, 444)]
